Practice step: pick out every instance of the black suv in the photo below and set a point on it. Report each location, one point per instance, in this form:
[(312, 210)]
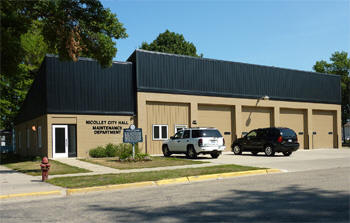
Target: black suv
[(268, 140)]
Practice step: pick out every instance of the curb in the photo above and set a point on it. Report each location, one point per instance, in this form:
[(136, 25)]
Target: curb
[(43, 193), (180, 180), (109, 187)]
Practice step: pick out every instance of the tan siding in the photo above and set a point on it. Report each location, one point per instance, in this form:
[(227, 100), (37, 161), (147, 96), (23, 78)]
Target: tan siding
[(295, 119), (159, 113), (86, 139), (323, 123), (33, 149), (220, 117), (256, 117)]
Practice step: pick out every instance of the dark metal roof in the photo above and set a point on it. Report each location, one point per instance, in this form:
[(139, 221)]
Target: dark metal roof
[(84, 87), (81, 87), (169, 73)]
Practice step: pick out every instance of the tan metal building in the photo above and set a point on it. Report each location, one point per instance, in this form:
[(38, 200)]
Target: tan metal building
[(73, 107)]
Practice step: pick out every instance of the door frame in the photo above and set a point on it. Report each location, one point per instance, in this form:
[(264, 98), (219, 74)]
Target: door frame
[(59, 155)]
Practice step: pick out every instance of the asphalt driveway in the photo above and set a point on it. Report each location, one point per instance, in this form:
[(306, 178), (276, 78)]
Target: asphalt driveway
[(301, 160)]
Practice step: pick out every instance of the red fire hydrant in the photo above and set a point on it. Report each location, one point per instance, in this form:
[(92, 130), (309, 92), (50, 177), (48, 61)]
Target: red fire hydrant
[(45, 167)]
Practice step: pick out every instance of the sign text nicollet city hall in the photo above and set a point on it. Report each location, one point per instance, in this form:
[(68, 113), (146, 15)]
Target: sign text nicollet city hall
[(106, 127)]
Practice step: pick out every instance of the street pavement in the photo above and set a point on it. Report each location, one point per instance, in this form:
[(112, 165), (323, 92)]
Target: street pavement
[(320, 195)]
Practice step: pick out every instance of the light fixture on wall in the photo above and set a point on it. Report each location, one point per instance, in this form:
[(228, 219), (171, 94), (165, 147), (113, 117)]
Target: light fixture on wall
[(34, 128), (194, 122), (265, 98)]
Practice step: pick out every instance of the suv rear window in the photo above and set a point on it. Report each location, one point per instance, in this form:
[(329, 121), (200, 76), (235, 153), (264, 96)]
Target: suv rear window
[(205, 133), (287, 133)]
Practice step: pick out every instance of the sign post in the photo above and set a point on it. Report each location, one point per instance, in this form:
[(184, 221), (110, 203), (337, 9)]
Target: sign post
[(132, 135)]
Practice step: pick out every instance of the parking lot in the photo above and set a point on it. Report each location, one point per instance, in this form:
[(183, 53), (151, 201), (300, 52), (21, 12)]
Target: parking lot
[(301, 160)]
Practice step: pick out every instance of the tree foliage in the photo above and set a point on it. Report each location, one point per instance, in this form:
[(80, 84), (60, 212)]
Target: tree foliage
[(31, 29), (170, 42), (339, 65), (14, 87), (71, 27)]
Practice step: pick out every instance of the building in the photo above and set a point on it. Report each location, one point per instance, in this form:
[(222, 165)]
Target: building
[(73, 107)]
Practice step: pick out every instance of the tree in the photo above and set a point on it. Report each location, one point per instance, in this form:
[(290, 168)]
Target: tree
[(339, 65), (31, 29), (170, 42), (71, 27), (14, 87)]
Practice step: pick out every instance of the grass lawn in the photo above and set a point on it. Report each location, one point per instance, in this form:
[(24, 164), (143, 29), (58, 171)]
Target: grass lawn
[(156, 162), (107, 179), (33, 168)]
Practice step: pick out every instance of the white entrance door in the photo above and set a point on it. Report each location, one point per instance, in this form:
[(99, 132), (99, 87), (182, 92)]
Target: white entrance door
[(59, 141)]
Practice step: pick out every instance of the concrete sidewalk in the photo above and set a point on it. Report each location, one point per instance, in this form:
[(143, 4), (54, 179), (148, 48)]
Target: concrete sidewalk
[(13, 182)]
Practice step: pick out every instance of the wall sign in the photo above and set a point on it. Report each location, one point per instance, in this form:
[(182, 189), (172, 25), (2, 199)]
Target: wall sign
[(103, 127)]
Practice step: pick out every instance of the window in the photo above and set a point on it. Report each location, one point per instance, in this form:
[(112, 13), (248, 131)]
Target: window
[(39, 137), (205, 133), (20, 140), (179, 127), (28, 138), (251, 134), (287, 133), (261, 133), (186, 134), (178, 135), (160, 132)]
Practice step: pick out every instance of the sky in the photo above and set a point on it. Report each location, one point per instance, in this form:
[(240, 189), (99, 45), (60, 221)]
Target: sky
[(282, 33)]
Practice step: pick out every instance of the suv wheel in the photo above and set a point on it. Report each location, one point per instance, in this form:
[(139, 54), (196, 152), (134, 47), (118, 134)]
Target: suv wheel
[(269, 151), (166, 151), (191, 153), (237, 150), (287, 153), (215, 155)]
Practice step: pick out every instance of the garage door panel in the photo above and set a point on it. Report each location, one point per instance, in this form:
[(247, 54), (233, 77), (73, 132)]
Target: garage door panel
[(295, 119), (161, 113), (220, 117), (323, 125), (254, 118)]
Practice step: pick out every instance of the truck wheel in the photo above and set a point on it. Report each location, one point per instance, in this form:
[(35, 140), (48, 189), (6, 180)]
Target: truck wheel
[(166, 151), (191, 153), (237, 150), (287, 153), (215, 155), (269, 151)]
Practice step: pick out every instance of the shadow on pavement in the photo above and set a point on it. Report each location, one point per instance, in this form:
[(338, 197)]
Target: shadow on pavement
[(292, 204)]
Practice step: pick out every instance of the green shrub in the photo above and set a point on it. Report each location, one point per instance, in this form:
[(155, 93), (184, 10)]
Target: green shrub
[(125, 150), (111, 150), (98, 152)]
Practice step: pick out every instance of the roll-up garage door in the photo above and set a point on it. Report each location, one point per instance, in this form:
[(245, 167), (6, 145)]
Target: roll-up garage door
[(162, 119), (254, 118), (220, 117), (295, 119), (323, 123)]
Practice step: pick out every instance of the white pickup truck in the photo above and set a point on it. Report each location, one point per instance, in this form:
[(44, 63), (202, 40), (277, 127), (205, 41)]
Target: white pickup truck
[(194, 141)]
